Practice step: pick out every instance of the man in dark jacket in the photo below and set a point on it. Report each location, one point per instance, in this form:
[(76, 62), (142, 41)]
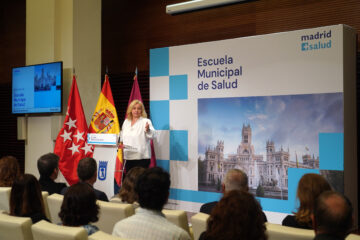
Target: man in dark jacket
[(87, 173), (48, 166)]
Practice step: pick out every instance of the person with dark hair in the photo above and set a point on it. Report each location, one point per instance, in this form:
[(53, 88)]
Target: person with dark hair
[(9, 171), (48, 166), (148, 222), (237, 216), (310, 186), (127, 192), (87, 173), (332, 216), (235, 179), (79, 207), (26, 199)]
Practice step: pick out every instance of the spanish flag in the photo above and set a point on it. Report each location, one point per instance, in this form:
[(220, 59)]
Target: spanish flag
[(105, 120)]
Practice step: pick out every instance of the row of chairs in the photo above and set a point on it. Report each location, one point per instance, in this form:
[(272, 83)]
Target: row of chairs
[(21, 228), (112, 212), (274, 231), (109, 214)]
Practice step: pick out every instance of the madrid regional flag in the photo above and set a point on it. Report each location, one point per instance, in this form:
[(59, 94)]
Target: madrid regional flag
[(71, 143), (105, 120)]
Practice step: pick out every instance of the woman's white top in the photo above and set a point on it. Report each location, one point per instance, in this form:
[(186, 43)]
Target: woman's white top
[(136, 141)]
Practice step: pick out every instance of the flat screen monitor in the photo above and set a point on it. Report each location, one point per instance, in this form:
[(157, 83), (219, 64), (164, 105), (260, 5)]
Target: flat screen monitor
[(37, 88)]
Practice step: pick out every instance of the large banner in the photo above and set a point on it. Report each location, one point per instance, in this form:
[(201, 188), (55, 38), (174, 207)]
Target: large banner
[(271, 105)]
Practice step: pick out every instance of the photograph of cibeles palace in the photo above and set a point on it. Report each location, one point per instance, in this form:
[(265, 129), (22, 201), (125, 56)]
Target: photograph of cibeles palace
[(264, 137)]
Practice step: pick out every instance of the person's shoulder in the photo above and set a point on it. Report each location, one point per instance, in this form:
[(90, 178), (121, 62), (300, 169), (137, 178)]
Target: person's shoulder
[(121, 226), (207, 207), (63, 191), (124, 223), (289, 221), (178, 232), (127, 121), (60, 186), (100, 195), (51, 186)]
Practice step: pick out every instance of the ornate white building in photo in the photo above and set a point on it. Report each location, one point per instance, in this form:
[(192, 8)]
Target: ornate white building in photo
[(271, 174)]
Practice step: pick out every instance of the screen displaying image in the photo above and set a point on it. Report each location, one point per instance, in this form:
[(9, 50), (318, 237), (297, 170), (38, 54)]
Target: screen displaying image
[(264, 137), (37, 88)]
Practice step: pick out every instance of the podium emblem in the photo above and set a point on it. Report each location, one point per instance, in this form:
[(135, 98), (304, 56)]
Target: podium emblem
[(102, 170)]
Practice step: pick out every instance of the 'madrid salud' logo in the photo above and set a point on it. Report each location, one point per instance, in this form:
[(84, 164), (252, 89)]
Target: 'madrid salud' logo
[(319, 40), (102, 170)]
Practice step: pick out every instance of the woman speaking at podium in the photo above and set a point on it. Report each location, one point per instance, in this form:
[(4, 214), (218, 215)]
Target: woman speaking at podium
[(136, 132)]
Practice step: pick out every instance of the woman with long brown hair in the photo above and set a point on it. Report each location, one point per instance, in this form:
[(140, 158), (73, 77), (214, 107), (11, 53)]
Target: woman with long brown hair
[(310, 186), (127, 192), (26, 199), (236, 216)]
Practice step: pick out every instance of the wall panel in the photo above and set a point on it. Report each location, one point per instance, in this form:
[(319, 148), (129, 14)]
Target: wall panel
[(12, 54), (131, 28)]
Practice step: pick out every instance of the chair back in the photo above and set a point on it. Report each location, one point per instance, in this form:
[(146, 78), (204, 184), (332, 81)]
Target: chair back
[(279, 232), (44, 230), (100, 235), (178, 217), (46, 206), (54, 203), (15, 228), (198, 222), (353, 237), (5, 198), (111, 213), (116, 200)]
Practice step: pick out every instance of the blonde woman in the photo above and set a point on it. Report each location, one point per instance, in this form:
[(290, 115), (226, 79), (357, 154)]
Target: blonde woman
[(137, 130)]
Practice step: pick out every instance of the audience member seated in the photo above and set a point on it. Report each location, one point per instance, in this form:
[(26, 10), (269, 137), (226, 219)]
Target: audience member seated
[(332, 217), (79, 207), (235, 179), (148, 222), (237, 216), (310, 186), (48, 166), (9, 171), (87, 173), (127, 192), (26, 199)]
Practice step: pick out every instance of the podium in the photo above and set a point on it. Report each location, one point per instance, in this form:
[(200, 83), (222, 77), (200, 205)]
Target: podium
[(105, 151)]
